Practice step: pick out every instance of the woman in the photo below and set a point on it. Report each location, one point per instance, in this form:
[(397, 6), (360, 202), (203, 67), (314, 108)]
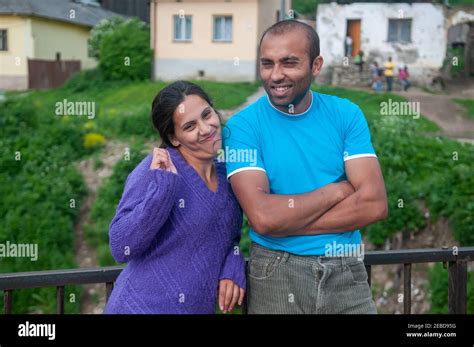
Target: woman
[(178, 222)]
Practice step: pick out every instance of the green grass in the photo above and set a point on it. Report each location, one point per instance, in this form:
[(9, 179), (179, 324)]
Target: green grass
[(468, 104), (461, 2), (123, 109)]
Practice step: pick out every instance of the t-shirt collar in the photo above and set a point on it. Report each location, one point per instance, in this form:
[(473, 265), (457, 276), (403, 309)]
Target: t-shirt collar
[(292, 114)]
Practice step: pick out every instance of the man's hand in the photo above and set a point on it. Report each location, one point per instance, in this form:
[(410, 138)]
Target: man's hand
[(366, 206), (229, 294)]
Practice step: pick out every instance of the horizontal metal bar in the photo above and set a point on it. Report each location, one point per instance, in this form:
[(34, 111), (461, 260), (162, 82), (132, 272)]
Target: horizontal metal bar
[(55, 278), (413, 256)]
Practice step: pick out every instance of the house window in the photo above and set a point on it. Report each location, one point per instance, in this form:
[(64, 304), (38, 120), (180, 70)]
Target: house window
[(399, 30), (223, 28), (3, 40), (182, 28)]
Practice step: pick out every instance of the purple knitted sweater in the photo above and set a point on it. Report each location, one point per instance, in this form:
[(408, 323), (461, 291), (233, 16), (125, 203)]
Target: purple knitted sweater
[(179, 239)]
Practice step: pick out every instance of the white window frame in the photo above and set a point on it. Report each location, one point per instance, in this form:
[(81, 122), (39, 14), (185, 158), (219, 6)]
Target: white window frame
[(222, 21), (182, 37)]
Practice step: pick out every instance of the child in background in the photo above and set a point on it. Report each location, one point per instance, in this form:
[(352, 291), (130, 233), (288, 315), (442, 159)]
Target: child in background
[(403, 78)]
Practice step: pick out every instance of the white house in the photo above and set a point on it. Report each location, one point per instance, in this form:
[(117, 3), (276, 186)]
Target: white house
[(413, 34)]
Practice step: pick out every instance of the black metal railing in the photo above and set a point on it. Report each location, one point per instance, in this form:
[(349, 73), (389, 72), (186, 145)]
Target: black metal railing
[(456, 260)]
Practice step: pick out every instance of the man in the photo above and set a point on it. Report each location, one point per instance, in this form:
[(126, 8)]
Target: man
[(388, 73), (348, 44), (305, 173)]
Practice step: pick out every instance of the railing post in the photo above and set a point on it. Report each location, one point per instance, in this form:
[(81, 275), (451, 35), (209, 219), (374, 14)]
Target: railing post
[(245, 302), (368, 268), (7, 301), (109, 286), (407, 288), (60, 300), (457, 287)]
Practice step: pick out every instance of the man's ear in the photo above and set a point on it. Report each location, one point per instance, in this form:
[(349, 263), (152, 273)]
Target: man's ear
[(317, 65)]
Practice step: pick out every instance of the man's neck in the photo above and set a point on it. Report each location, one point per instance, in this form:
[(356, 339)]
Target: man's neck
[(301, 107)]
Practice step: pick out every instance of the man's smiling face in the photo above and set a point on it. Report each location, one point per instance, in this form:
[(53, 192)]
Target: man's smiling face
[(285, 67)]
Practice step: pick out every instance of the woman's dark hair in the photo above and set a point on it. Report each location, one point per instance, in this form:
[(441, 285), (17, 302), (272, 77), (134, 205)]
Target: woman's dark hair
[(167, 101)]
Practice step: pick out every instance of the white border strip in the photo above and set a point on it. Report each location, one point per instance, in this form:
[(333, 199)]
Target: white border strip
[(355, 156), (245, 169)]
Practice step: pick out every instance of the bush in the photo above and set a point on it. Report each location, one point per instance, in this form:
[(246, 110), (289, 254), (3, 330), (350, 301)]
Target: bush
[(125, 52), (85, 80), (438, 290), (102, 29), (39, 187)]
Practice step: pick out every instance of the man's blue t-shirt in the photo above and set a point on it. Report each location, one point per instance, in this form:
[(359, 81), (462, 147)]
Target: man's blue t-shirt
[(299, 153)]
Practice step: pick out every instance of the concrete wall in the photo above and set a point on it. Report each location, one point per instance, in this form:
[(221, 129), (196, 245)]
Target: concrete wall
[(423, 56), (226, 61)]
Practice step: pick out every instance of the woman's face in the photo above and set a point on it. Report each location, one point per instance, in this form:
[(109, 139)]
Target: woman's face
[(197, 128)]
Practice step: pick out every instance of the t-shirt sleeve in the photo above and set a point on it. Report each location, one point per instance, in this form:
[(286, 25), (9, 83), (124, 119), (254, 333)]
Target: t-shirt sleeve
[(357, 142), (241, 150)]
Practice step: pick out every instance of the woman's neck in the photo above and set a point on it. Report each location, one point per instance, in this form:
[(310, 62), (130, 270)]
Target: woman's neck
[(204, 167)]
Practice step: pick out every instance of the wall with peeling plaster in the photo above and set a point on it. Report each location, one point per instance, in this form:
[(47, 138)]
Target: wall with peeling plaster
[(423, 56)]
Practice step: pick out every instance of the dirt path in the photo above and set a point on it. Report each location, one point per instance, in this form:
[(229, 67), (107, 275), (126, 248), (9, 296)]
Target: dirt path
[(93, 297), (442, 110)]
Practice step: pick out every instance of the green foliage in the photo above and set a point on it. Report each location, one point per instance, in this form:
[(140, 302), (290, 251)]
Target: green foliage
[(306, 7), (102, 29), (37, 153), (455, 53), (125, 52), (86, 80), (468, 104), (438, 290)]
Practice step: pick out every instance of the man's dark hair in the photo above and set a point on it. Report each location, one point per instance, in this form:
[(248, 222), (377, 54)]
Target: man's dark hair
[(288, 25)]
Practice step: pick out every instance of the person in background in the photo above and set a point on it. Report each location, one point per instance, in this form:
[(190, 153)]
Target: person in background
[(359, 61), (388, 73), (348, 46), (403, 76), (376, 72)]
